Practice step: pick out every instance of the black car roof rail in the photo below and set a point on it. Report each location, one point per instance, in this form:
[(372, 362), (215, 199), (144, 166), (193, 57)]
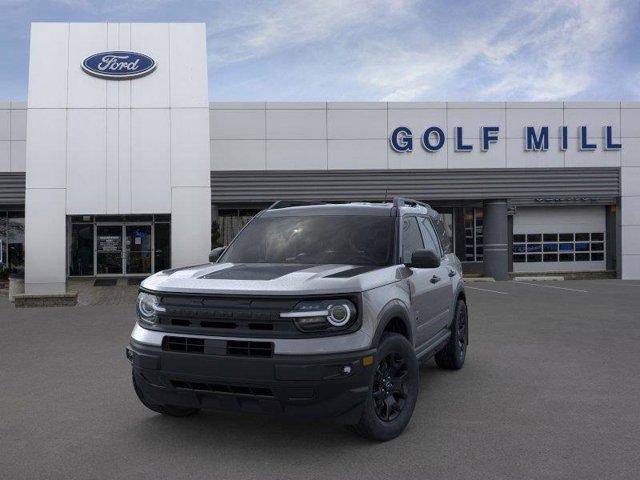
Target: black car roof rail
[(292, 203), (402, 201)]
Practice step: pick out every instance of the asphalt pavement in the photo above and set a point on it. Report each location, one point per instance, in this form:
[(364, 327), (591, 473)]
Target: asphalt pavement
[(550, 390)]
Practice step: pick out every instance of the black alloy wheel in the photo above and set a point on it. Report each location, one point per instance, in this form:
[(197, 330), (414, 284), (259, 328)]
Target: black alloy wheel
[(463, 332), (390, 388), (393, 392), (452, 356)]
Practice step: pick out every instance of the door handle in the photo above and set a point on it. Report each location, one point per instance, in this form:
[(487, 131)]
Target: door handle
[(435, 279), (452, 273)]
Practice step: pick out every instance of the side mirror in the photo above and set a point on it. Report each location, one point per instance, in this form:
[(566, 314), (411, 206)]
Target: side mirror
[(424, 259), (216, 253)]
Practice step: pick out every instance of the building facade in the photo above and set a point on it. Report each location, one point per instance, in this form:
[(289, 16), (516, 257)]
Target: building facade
[(104, 176)]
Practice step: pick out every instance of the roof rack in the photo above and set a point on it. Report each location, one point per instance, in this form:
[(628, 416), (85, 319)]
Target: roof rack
[(291, 203), (402, 201)]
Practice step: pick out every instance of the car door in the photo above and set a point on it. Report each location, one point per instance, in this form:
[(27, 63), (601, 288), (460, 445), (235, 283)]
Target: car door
[(443, 284), (421, 283)]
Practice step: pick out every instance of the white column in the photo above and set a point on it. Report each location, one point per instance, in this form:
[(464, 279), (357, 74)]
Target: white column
[(45, 241), (190, 226), (630, 191), (630, 223)]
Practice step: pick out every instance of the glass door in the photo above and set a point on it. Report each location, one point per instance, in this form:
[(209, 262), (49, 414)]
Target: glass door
[(109, 250), (138, 250)]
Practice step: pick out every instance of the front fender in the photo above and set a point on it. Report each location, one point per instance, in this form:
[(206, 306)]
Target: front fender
[(394, 309)]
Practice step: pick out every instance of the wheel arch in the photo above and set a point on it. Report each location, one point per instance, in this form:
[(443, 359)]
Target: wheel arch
[(394, 317)]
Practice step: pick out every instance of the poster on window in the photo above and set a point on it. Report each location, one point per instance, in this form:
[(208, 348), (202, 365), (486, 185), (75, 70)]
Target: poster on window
[(109, 243)]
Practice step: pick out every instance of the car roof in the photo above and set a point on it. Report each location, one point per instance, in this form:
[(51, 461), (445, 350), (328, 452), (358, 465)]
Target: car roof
[(386, 209)]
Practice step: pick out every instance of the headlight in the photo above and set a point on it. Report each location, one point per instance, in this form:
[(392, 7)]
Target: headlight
[(148, 307), (323, 315)]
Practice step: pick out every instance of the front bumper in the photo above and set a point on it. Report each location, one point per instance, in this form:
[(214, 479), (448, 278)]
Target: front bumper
[(331, 386)]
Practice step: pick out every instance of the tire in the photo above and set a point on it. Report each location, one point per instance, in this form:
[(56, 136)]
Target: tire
[(393, 390), (170, 410), (452, 356)]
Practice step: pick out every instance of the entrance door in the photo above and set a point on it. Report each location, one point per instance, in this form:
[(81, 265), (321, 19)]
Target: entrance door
[(109, 250), (138, 249)]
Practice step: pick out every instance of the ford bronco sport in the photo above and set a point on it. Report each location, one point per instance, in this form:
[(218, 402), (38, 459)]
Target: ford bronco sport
[(314, 311)]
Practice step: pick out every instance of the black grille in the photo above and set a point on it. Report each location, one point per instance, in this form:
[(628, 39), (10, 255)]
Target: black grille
[(223, 315), (255, 391), (183, 344), (249, 349)]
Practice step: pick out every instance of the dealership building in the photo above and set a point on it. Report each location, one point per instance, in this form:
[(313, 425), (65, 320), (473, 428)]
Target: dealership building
[(118, 165)]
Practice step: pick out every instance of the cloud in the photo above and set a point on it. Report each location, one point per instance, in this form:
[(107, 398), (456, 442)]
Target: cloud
[(408, 50), (260, 29), (547, 50)]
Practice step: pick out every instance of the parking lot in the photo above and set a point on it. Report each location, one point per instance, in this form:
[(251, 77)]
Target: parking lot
[(551, 390)]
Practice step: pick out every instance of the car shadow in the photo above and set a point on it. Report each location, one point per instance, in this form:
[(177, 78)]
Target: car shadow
[(247, 431)]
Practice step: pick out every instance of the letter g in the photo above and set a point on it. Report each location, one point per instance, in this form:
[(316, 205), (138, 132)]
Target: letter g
[(401, 139)]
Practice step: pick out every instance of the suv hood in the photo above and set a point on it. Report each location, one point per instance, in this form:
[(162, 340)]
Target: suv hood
[(271, 279)]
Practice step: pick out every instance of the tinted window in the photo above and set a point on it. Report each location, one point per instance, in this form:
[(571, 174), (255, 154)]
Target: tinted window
[(314, 240), (411, 238), (444, 236), (430, 240)]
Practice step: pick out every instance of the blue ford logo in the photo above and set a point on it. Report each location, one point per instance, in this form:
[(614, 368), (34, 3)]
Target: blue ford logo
[(118, 65)]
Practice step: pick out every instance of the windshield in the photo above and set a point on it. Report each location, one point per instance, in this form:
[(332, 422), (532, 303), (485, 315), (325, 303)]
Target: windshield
[(342, 239)]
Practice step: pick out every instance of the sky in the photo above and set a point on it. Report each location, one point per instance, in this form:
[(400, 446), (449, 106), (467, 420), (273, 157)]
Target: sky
[(377, 50)]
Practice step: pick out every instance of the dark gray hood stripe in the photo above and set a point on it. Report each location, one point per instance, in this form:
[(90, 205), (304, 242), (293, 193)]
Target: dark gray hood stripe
[(352, 272), (255, 271)]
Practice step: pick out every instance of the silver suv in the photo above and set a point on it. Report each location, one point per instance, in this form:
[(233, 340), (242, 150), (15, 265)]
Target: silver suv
[(314, 311)]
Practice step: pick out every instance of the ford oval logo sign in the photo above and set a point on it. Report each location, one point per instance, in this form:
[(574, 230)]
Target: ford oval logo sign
[(118, 65)]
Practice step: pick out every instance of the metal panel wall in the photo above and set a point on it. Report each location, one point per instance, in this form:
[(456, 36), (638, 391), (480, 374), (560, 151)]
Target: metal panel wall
[(520, 186), (523, 186), (12, 188)]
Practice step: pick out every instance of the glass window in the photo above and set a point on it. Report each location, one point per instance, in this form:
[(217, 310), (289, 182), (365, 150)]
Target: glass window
[(320, 239), (411, 238), (138, 249), (82, 219), (4, 267), (519, 258), (582, 247), (473, 234), (443, 233), (228, 224), (15, 242), (429, 236), (163, 246), (81, 252), (161, 218), (567, 250)]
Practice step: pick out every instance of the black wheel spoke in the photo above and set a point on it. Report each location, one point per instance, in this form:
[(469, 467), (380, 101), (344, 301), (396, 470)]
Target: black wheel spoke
[(389, 390)]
